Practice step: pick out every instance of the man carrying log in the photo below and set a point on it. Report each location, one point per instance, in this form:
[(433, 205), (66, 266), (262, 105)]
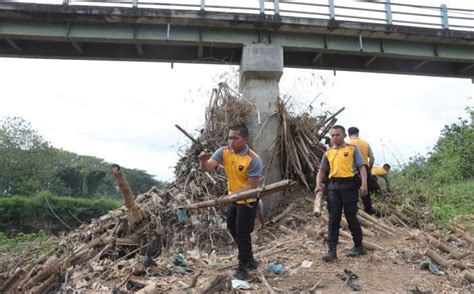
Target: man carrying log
[(369, 160), (347, 178), (243, 168)]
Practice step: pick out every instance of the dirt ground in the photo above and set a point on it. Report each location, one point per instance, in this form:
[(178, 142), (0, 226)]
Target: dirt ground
[(395, 269)]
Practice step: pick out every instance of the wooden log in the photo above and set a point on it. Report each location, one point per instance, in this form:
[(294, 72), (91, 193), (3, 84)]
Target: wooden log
[(265, 282), (365, 232), (283, 213), (50, 267), (437, 243), (462, 266), (220, 283), (134, 212), (374, 226), (260, 192), (436, 257), (469, 276), (11, 285), (377, 223), (149, 289), (318, 198), (468, 238), (285, 230), (367, 245), (42, 288)]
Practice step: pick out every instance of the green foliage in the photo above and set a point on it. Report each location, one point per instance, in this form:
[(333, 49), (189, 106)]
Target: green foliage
[(29, 214), (445, 179), (29, 164)]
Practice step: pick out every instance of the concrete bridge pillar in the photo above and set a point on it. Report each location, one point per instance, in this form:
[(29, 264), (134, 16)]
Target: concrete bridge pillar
[(261, 68)]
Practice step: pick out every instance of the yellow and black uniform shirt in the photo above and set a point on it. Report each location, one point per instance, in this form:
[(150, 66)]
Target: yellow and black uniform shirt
[(239, 168), (342, 161), (364, 148), (378, 171)]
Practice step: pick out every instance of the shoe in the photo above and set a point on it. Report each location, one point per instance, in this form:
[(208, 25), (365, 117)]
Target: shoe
[(241, 274), (331, 255), (252, 264), (357, 251)]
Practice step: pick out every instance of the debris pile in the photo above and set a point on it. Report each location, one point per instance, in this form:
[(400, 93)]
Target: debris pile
[(160, 241)]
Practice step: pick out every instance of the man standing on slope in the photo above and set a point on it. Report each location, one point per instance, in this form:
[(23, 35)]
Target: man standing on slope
[(347, 178), (369, 160), (243, 168)]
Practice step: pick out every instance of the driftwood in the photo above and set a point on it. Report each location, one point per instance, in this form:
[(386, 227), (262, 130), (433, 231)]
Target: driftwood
[(265, 282), (377, 222), (220, 283), (257, 192), (317, 203), (436, 257), (469, 276), (135, 214), (283, 213)]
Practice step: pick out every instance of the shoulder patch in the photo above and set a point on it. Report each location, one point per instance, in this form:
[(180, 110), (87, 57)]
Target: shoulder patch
[(252, 153)]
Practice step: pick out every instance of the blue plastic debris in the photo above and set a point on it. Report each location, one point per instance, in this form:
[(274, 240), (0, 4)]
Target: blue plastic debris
[(178, 259), (182, 215), (276, 268)]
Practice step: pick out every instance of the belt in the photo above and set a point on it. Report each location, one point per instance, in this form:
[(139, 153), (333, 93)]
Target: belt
[(342, 180)]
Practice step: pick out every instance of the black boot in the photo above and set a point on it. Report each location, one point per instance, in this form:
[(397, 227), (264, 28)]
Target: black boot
[(242, 274), (252, 264), (331, 255), (357, 251)]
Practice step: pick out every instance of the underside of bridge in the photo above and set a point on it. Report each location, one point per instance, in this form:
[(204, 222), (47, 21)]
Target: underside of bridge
[(110, 33)]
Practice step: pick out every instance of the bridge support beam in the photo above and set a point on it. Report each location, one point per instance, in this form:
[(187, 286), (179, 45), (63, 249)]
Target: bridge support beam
[(260, 71)]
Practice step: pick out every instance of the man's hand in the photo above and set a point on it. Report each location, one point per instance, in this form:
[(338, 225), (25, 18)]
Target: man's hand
[(363, 190), (318, 189), (204, 156)]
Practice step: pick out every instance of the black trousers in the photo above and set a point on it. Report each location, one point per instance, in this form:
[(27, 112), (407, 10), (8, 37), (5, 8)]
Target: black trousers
[(366, 200), (343, 194), (241, 222)]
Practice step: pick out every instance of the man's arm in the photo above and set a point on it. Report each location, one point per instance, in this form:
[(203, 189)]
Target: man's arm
[(319, 180), (323, 167), (371, 158), (359, 162), (364, 191), (208, 163)]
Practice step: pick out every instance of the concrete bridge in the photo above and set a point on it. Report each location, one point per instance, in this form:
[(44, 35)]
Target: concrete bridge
[(320, 34), (263, 39)]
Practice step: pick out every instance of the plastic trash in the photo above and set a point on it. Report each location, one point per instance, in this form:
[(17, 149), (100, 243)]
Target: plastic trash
[(178, 259), (276, 268), (239, 284)]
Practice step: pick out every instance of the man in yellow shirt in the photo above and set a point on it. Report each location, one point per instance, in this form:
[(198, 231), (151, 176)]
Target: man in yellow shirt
[(347, 179), (243, 169), (369, 160), (381, 172)]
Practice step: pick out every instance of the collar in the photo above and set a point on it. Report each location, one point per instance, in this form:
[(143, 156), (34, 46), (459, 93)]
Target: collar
[(340, 146), (243, 151)]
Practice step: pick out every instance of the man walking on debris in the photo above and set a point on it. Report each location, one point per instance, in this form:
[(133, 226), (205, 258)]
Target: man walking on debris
[(347, 178), (243, 168), (369, 160)]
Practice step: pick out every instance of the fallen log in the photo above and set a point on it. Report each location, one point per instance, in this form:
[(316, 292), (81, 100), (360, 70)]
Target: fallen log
[(367, 244), (365, 232), (257, 192), (317, 203), (436, 257), (377, 223), (265, 282), (134, 212), (283, 213), (469, 276)]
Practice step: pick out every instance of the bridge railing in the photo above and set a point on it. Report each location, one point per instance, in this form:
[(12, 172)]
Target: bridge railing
[(389, 12)]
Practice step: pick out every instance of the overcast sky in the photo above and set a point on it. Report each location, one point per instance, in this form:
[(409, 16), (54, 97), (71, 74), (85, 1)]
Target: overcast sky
[(124, 112)]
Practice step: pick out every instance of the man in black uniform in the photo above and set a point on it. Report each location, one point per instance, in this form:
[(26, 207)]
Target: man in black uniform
[(347, 178)]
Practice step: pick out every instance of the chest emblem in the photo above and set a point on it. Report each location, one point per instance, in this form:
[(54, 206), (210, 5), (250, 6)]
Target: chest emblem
[(241, 167), (346, 154)]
